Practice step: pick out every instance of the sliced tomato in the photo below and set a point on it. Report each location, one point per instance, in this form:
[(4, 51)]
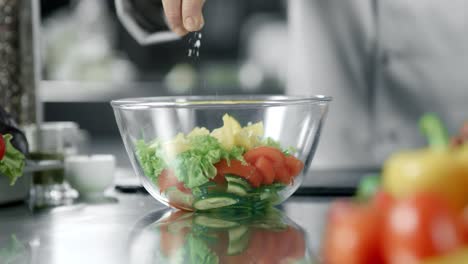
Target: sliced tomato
[(221, 245), (168, 179), (219, 179), (272, 154), (270, 251), (173, 217), (236, 167), (292, 246), (266, 169), (298, 240), (2, 147), (294, 165), (171, 243), (351, 234), (420, 226), (282, 174)]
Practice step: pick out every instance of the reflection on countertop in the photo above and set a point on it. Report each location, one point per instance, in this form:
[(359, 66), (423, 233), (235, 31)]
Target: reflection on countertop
[(222, 237), (115, 232)]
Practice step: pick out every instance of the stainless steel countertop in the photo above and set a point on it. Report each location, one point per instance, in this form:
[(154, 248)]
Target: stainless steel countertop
[(98, 232)]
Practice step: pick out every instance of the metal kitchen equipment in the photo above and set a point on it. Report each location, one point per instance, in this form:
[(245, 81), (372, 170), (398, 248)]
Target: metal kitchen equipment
[(19, 75), (19, 59)]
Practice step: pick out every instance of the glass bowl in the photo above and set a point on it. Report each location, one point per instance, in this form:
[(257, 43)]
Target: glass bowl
[(208, 153)]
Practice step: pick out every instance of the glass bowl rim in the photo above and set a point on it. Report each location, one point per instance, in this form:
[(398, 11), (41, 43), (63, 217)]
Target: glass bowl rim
[(231, 101)]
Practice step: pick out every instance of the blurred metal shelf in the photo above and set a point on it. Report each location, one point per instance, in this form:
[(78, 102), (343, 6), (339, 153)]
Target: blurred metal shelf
[(77, 91), (100, 92)]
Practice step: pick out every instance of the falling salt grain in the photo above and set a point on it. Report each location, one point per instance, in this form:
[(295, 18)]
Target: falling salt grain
[(194, 45), (197, 44)]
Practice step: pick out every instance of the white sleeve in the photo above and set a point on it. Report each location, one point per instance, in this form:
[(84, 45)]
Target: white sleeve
[(331, 53)]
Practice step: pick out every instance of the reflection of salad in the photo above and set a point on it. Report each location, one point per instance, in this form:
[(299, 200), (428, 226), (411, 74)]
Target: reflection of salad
[(231, 166), (211, 239), (14, 252)]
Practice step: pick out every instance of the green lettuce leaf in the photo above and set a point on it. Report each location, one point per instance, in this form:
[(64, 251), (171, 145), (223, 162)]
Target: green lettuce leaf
[(13, 162), (151, 158), (195, 166), (200, 253), (269, 142)]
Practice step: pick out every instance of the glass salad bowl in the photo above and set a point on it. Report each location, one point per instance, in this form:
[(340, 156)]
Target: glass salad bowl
[(209, 153)]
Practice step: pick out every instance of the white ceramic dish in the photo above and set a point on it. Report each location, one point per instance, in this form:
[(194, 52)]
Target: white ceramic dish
[(90, 175)]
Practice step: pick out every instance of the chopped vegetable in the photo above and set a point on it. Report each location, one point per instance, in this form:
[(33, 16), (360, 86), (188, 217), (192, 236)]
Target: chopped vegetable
[(235, 167), (352, 234), (421, 208), (294, 165), (192, 163), (438, 169), (2, 147), (214, 201), (14, 252), (12, 161), (221, 238), (266, 169), (419, 227), (151, 158), (272, 154)]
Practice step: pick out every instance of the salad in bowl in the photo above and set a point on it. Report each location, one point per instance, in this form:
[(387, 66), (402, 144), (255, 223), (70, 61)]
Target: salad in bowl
[(213, 160)]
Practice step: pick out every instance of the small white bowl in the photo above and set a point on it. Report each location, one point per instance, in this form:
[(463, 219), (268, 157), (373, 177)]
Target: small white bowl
[(90, 175)]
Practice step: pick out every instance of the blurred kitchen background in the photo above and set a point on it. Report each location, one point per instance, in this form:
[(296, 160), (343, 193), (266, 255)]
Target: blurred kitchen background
[(89, 58)]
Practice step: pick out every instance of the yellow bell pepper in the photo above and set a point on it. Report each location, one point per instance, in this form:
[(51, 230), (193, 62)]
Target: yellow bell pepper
[(438, 169), (458, 257)]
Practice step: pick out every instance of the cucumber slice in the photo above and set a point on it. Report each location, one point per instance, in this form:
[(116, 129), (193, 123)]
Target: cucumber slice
[(237, 233), (238, 246), (175, 196), (214, 222), (215, 201), (176, 227), (205, 189), (235, 188), (236, 179)]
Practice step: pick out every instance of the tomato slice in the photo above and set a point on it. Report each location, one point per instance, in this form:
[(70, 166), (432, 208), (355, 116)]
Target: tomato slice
[(235, 167), (266, 169), (2, 147), (420, 226), (294, 165), (170, 243), (272, 154), (352, 234), (282, 174), (219, 179), (168, 179), (292, 246)]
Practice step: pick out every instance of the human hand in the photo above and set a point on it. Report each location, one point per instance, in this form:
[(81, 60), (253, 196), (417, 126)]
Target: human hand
[(184, 16)]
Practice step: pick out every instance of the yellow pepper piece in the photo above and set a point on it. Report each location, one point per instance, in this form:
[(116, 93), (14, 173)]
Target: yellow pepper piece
[(427, 170), (226, 134), (458, 257)]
